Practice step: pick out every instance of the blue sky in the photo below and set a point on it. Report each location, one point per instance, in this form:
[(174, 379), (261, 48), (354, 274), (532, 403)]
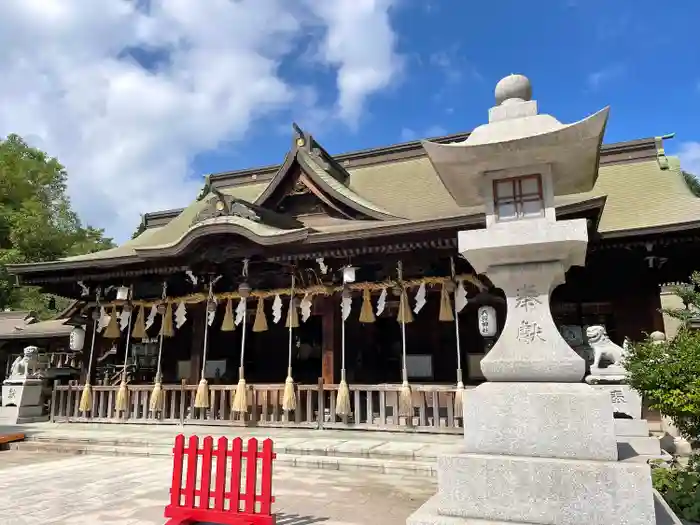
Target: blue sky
[(139, 99), (640, 57)]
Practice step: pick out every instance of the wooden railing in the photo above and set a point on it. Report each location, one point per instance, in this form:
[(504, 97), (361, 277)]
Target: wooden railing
[(373, 407)]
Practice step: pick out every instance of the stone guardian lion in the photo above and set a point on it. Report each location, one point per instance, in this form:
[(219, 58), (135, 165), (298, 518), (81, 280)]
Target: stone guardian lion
[(25, 365), (603, 348)]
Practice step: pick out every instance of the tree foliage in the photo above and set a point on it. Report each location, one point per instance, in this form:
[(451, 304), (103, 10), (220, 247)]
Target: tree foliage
[(36, 221), (667, 374), (679, 484), (139, 230), (692, 182)]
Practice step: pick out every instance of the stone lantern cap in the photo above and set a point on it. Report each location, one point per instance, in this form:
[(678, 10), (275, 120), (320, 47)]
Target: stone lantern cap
[(515, 137)]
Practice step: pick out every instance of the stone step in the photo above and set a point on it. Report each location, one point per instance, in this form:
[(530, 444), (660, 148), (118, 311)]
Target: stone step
[(377, 465), (395, 451), (643, 446), (631, 427)]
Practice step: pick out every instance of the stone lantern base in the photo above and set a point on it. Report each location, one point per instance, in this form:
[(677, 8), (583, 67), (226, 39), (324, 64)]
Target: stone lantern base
[(22, 402), (542, 453)]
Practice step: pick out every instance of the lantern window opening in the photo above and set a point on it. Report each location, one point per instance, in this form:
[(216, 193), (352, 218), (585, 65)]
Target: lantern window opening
[(518, 197)]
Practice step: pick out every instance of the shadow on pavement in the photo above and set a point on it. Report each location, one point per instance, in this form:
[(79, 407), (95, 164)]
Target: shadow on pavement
[(296, 519)]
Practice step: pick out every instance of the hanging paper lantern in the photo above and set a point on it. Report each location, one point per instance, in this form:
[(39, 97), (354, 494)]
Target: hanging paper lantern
[(349, 274), (487, 321), (77, 339), (122, 293), (161, 309), (244, 290)]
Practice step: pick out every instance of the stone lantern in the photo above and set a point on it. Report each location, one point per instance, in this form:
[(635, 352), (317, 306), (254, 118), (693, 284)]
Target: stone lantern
[(540, 445)]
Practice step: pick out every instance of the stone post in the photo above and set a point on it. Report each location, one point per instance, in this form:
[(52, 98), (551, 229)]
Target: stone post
[(530, 347)]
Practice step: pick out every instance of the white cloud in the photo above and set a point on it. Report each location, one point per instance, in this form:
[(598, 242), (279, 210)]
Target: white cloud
[(127, 134), (689, 153), (360, 42), (603, 76)]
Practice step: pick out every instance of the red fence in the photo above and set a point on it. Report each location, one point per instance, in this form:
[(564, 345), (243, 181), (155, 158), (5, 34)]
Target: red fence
[(232, 500)]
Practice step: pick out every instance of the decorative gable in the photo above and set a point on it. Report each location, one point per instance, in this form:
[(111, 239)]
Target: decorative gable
[(310, 181)]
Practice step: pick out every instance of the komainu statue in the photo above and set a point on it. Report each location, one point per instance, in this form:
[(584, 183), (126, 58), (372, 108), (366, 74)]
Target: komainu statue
[(26, 365), (604, 349)]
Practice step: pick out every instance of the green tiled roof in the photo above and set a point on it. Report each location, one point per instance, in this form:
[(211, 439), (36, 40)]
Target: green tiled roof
[(642, 194)]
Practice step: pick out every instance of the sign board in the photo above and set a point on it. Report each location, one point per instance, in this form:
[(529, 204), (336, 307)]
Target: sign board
[(419, 366)]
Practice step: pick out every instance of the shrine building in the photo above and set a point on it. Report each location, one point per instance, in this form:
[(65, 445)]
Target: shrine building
[(344, 267)]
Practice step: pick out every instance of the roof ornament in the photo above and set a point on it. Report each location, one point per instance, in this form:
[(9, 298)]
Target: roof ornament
[(225, 206), (300, 139), (206, 189)]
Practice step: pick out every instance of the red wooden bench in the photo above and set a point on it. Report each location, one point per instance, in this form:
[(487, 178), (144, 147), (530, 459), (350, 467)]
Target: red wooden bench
[(232, 500)]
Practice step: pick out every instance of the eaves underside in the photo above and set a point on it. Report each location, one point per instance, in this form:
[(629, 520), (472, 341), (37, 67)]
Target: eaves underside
[(379, 229)]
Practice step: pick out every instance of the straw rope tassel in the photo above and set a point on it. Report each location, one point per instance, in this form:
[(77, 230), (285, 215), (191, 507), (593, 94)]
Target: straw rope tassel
[(289, 399), (342, 403), (140, 324), (228, 325), (459, 393), (86, 396), (166, 327), (156, 401), (112, 331), (201, 399), (405, 316), (446, 313), (367, 312), (260, 323), (122, 402), (240, 399)]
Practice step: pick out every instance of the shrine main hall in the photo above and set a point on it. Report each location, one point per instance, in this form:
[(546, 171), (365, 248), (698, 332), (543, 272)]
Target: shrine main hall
[(330, 270)]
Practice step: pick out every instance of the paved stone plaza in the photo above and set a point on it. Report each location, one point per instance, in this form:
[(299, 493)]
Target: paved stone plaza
[(38, 489)]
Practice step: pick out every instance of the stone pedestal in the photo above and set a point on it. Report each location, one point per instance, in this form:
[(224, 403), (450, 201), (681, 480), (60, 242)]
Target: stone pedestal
[(624, 400), (22, 402), (539, 444)]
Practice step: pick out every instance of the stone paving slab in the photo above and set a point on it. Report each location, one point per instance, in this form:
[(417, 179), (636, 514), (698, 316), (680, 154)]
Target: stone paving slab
[(38, 489)]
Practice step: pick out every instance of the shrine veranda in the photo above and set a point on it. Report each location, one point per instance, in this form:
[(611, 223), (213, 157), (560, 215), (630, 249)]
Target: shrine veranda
[(344, 236)]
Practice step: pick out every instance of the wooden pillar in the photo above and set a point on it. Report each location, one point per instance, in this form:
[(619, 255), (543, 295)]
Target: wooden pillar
[(330, 340), (198, 313), (657, 316)]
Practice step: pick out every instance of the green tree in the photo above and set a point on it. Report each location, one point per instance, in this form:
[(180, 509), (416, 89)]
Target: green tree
[(36, 221), (692, 182), (667, 374), (140, 229)]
